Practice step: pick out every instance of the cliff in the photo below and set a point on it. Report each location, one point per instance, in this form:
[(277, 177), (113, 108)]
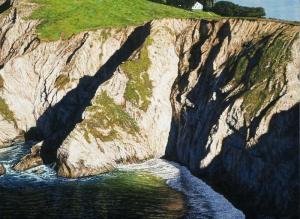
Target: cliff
[(236, 112), (220, 97)]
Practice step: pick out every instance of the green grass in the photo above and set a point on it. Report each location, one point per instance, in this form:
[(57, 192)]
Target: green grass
[(139, 86), (63, 18), (105, 118)]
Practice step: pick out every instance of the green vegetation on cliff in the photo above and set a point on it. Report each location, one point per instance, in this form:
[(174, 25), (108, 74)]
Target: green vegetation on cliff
[(6, 113), (139, 86), (1, 82), (261, 69), (63, 18), (61, 82), (105, 117)]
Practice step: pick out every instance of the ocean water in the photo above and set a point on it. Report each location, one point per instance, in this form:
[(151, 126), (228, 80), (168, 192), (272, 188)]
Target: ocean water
[(279, 9), (154, 189)]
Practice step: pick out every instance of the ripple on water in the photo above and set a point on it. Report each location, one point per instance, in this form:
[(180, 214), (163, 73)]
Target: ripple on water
[(39, 193)]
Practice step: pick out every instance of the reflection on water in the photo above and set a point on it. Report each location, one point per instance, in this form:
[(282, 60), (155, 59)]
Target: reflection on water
[(122, 194)]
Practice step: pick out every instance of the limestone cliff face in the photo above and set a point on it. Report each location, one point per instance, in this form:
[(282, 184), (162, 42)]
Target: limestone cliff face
[(236, 110), (220, 97)]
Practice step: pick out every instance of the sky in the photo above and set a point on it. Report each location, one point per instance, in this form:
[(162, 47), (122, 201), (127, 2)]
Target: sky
[(280, 9)]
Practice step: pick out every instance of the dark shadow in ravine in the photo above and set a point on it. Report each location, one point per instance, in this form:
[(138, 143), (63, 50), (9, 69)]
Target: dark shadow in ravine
[(205, 112), (60, 119), (6, 5), (206, 84), (191, 126), (262, 180)]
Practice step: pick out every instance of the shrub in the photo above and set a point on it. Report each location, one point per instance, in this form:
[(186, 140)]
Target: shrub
[(230, 9)]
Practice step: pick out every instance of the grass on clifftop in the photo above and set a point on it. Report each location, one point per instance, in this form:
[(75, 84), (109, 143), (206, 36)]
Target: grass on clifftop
[(63, 18)]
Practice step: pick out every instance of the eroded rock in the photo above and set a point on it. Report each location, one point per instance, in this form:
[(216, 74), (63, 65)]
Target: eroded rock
[(2, 169), (31, 160)]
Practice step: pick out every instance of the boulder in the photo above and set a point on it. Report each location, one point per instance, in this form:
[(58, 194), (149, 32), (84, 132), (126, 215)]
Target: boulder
[(30, 160), (2, 169)]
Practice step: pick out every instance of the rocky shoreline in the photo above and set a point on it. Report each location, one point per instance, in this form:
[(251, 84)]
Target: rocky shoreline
[(199, 92)]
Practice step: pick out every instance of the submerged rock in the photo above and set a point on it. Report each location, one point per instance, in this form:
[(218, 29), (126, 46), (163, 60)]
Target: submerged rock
[(30, 160), (2, 169)]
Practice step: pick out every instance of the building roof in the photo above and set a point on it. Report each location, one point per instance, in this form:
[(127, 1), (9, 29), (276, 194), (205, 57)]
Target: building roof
[(197, 6)]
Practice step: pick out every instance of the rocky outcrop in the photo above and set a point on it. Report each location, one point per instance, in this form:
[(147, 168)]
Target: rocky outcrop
[(235, 105), (31, 160), (218, 96), (62, 79), (2, 169)]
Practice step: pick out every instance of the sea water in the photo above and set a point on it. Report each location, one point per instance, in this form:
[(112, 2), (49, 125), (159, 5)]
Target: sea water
[(153, 189)]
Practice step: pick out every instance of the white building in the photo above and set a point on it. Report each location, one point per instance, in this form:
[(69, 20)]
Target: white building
[(197, 6)]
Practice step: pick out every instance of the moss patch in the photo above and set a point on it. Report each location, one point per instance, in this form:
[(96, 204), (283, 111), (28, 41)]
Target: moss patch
[(1, 82), (261, 69), (61, 82), (105, 34), (139, 86), (6, 112), (105, 117)]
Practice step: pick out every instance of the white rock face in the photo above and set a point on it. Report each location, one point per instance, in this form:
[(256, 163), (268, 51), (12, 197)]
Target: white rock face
[(7, 130), (244, 117), (154, 123)]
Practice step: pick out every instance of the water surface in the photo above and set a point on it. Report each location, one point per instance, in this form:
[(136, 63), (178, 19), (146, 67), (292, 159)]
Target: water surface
[(38, 193), (154, 189)]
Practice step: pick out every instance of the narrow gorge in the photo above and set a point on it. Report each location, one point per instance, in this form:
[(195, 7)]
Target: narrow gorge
[(220, 97)]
